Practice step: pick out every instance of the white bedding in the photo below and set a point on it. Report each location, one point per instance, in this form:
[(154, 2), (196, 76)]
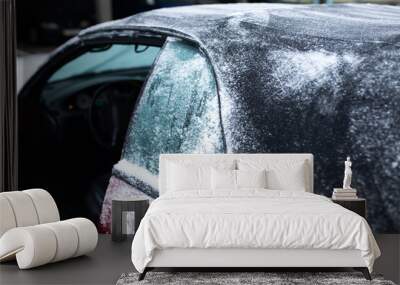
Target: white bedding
[(250, 219)]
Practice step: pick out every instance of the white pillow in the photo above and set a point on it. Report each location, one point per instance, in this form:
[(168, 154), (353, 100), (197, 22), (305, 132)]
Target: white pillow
[(186, 174), (251, 178), (281, 174), (223, 179), (227, 179), (188, 177)]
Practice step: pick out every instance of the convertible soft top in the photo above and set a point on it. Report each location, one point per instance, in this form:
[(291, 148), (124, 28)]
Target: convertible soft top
[(247, 22), (303, 78)]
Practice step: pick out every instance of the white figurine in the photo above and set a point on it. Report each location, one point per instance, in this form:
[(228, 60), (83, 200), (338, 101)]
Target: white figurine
[(347, 174)]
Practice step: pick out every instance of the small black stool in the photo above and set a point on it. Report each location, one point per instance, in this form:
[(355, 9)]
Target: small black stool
[(118, 227)]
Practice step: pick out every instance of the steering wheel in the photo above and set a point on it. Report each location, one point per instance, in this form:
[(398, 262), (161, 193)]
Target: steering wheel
[(104, 120)]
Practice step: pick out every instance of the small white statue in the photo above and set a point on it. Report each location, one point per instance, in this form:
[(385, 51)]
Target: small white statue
[(347, 174)]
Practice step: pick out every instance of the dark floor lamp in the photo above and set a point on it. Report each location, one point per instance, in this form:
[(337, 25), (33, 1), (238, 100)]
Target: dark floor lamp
[(8, 98)]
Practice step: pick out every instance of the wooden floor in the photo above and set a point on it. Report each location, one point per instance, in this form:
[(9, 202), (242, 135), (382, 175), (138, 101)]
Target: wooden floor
[(110, 260)]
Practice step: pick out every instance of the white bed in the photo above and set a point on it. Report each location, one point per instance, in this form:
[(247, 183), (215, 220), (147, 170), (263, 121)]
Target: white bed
[(249, 227)]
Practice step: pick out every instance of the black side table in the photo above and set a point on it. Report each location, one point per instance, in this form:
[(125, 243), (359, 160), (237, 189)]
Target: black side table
[(358, 206), (119, 225)]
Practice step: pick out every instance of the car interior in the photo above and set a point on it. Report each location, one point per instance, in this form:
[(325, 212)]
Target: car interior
[(82, 113)]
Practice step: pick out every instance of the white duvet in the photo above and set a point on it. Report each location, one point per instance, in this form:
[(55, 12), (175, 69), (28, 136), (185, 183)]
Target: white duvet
[(250, 219)]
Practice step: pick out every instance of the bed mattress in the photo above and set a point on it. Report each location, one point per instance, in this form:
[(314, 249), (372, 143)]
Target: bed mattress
[(250, 219)]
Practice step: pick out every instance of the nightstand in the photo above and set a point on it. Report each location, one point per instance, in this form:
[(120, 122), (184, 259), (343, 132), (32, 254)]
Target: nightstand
[(119, 215), (358, 206)]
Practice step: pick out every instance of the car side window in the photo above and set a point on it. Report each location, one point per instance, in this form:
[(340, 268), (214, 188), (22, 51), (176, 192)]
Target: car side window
[(178, 111), (93, 95), (107, 58)]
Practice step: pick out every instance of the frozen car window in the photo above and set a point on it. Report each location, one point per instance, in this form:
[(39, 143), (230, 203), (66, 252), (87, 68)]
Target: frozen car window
[(177, 113), (113, 57)]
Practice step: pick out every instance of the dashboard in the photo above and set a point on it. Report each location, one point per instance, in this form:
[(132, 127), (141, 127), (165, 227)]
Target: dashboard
[(97, 108)]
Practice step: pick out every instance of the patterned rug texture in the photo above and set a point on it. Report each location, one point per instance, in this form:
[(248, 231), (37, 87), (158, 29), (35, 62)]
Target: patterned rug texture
[(243, 278)]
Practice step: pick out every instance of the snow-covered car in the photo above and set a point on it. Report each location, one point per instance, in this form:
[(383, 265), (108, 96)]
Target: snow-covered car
[(212, 79)]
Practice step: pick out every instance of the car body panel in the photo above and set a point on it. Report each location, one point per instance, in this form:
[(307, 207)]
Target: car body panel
[(301, 78)]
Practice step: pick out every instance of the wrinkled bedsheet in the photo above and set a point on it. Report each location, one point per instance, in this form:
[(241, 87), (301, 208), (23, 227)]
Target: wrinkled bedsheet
[(250, 219)]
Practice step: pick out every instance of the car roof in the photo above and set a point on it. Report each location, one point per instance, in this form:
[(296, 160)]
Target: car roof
[(294, 77), (323, 79), (205, 23)]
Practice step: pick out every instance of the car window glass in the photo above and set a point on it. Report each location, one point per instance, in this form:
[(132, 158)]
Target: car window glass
[(108, 58), (178, 111)]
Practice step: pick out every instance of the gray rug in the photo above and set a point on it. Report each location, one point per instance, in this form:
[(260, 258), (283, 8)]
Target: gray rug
[(243, 278)]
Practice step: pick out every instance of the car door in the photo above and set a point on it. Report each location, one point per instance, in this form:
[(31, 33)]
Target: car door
[(73, 116)]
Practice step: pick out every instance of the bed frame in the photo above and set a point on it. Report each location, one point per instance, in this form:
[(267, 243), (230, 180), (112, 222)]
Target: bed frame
[(242, 259)]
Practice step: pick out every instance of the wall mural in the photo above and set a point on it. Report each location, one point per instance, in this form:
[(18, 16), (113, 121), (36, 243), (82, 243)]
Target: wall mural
[(275, 80)]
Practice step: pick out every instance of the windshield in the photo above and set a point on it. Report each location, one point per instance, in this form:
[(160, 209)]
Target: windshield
[(177, 113), (107, 58)]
